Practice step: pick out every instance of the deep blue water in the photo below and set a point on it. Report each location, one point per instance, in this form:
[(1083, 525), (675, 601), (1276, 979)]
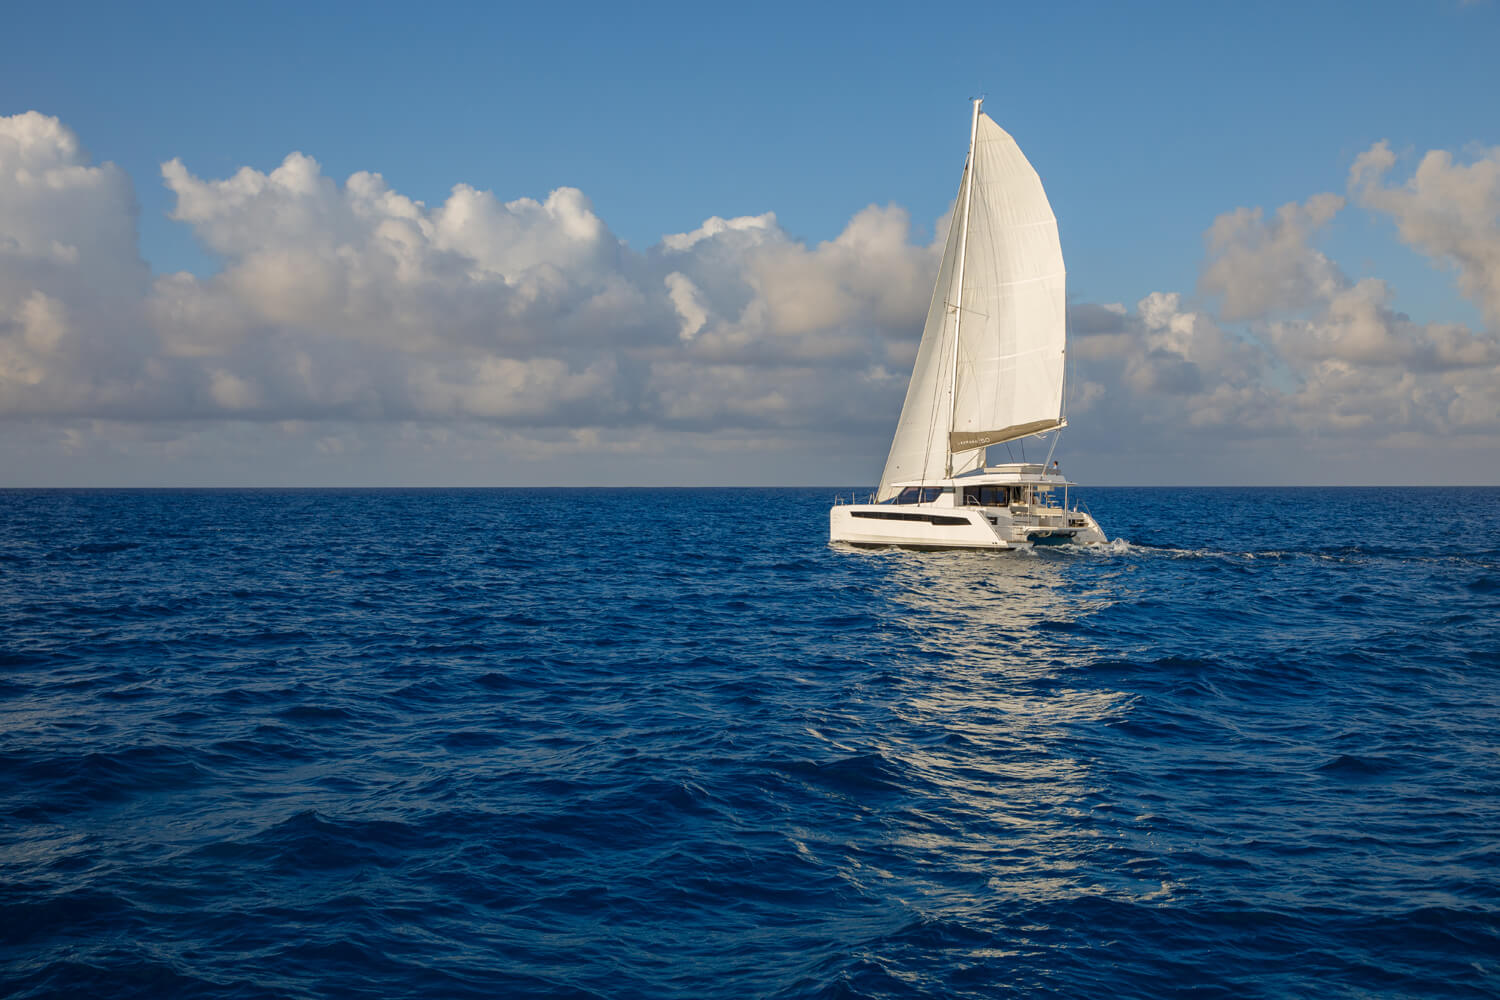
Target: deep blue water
[(669, 743)]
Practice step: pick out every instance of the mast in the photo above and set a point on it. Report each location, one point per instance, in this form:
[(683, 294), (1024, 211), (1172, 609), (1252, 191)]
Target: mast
[(958, 306)]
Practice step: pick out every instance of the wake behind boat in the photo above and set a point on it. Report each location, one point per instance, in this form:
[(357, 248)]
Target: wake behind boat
[(989, 370)]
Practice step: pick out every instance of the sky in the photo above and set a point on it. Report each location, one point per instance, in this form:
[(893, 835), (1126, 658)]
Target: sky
[(668, 244)]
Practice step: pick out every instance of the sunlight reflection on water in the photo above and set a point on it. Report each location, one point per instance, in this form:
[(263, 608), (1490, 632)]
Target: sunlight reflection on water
[(996, 700)]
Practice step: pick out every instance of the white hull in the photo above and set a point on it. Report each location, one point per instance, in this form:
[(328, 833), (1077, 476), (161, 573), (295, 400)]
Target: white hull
[(974, 528), (1017, 511), (912, 527)]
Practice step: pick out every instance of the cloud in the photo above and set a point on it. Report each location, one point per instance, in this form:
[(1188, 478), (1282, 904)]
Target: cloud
[(526, 325), (1451, 212), (686, 300), (714, 226), (71, 277), (350, 301), (1256, 266), (1281, 347), (524, 312), (1348, 366), (1285, 345), (1356, 325)]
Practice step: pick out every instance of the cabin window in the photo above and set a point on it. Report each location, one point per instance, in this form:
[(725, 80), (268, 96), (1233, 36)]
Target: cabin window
[(988, 496), (919, 494)]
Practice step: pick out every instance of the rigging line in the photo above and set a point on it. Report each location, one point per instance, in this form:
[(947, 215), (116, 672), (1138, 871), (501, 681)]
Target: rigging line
[(932, 410), (932, 418), (1055, 439), (958, 219)]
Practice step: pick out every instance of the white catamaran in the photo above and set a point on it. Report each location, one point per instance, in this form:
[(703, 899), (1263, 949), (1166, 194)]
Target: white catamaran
[(989, 370)]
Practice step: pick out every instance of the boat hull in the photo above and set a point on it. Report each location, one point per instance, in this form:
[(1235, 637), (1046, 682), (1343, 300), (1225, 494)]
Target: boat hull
[(926, 526), (912, 526)]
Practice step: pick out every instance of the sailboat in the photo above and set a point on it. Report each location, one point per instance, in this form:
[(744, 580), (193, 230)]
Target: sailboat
[(989, 371)]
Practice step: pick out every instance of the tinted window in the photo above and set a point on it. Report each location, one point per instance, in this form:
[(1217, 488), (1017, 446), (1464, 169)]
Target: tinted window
[(881, 515), (990, 496)]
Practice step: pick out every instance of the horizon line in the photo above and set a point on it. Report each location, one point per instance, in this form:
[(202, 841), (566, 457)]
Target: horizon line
[(756, 486)]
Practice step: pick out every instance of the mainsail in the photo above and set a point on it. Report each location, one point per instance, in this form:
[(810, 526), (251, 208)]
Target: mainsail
[(1008, 318)]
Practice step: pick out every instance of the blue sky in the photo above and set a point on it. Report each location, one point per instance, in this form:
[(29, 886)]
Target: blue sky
[(1146, 123)]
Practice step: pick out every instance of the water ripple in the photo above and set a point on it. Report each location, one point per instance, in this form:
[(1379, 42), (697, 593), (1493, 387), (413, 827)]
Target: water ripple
[(669, 743)]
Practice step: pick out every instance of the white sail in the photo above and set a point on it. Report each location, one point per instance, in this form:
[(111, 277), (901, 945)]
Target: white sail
[(1010, 351), (920, 448), (1010, 323)]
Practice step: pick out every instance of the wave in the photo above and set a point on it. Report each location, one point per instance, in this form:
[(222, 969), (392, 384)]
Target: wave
[(322, 744)]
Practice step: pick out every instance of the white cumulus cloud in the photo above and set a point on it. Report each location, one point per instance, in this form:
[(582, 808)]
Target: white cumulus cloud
[(1449, 211), (341, 307)]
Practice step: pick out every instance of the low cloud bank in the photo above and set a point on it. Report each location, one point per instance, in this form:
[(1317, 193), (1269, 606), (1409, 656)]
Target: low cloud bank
[(341, 304)]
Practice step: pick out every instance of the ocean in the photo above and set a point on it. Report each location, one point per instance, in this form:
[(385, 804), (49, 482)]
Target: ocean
[(671, 744)]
